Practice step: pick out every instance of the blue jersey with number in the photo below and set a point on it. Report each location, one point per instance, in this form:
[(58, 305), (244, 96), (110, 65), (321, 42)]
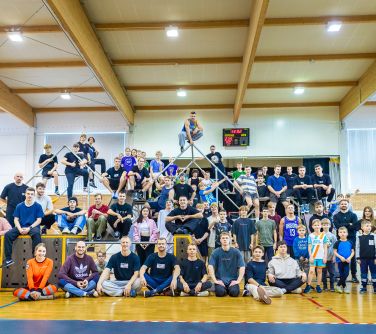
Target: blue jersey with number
[(290, 230)]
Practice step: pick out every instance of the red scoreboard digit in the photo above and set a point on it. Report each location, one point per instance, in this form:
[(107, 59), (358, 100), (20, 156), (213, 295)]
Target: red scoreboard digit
[(236, 137)]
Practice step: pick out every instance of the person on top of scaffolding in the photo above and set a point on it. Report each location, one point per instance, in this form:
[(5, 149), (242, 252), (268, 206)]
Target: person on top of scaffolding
[(192, 130)]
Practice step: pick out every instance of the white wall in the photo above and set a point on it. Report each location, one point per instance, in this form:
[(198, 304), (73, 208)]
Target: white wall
[(16, 148), (273, 133)]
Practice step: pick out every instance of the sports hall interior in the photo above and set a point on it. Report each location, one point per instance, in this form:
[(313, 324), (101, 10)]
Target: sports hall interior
[(299, 74)]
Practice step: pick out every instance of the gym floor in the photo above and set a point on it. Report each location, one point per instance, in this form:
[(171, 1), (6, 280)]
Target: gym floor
[(328, 312)]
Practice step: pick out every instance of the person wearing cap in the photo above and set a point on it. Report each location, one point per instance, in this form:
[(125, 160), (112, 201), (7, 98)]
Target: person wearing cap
[(48, 163), (71, 219), (192, 130)]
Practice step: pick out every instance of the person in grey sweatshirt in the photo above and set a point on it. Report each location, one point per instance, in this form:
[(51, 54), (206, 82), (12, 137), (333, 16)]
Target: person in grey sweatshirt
[(284, 272)]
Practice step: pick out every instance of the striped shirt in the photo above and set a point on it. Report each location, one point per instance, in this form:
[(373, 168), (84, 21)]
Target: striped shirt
[(316, 243), (247, 183)]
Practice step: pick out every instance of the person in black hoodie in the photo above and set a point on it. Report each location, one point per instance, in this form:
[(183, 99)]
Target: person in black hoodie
[(349, 220)]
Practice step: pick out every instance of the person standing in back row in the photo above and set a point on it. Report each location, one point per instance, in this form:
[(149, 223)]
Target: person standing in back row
[(192, 130)]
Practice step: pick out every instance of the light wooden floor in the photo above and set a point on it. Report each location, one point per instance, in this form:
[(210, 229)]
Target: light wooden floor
[(327, 308)]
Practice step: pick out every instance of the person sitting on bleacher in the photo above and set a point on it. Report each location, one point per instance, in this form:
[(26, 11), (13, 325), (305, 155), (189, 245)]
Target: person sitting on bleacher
[(183, 189), (206, 192), (277, 186), (167, 193), (323, 184), (262, 188), (97, 219), (38, 271), (114, 179), (139, 178), (126, 266), (45, 201), (183, 219), (120, 216), (78, 275), (71, 219), (290, 180), (27, 218), (303, 188), (48, 163)]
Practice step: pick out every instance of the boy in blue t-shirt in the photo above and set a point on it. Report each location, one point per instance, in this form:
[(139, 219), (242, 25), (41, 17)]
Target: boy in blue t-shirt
[(344, 252), (300, 248)]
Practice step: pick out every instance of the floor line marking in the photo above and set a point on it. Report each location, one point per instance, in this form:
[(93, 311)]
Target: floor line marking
[(9, 304)]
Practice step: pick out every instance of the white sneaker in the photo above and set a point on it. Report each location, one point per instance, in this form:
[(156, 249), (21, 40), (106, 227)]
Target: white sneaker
[(183, 294), (297, 291), (66, 231), (74, 230), (283, 291), (67, 295), (203, 294), (339, 289), (347, 289)]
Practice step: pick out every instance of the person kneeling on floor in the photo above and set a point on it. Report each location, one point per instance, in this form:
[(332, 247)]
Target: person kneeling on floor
[(193, 279), (125, 266), (38, 271), (78, 276), (255, 276), (284, 272)]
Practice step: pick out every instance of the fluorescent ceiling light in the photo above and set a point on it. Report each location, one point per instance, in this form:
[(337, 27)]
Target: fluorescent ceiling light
[(172, 31), (334, 26), (298, 90), (15, 36), (181, 93), (65, 96)]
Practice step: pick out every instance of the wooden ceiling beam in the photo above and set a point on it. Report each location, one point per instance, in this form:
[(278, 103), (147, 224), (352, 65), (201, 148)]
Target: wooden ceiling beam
[(57, 90), (15, 106), (73, 20), (74, 109), (31, 29), (43, 64), (318, 20), (176, 61), (359, 94), (256, 21)]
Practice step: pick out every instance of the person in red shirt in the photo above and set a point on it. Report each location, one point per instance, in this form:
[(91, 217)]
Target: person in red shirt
[(38, 272), (97, 219), (273, 215)]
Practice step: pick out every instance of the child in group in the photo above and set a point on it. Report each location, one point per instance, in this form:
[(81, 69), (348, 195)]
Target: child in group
[(128, 161), (300, 247), (266, 235), (224, 224), (330, 267), (318, 252), (344, 252), (366, 255), (243, 232)]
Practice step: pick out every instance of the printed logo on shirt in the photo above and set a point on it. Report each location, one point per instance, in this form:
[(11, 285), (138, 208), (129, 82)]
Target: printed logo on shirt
[(124, 265), (371, 242), (161, 266), (81, 271)]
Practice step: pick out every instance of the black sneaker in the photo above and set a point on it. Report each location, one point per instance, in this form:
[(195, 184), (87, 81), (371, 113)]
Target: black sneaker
[(355, 280), (92, 184), (245, 293), (98, 238), (7, 263)]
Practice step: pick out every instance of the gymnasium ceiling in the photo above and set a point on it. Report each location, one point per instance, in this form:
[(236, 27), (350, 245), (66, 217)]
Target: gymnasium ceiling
[(230, 54)]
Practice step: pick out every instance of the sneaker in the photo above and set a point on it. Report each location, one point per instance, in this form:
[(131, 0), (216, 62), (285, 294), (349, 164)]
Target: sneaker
[(363, 290), (44, 230), (181, 149), (98, 238), (264, 298), (332, 290), (354, 280), (184, 294), (284, 290), (148, 293), (302, 209), (46, 297), (170, 293), (339, 289), (203, 294), (92, 184), (74, 230), (84, 189), (307, 289), (117, 235), (57, 193), (66, 230), (297, 291), (133, 293), (318, 289), (306, 208), (115, 195), (7, 263), (67, 295), (245, 293), (92, 293), (347, 289)]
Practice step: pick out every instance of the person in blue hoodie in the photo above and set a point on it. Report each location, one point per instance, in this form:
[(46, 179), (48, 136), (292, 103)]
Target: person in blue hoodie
[(300, 248)]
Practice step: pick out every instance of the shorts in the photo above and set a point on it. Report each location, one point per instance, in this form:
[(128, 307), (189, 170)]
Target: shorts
[(114, 184), (252, 195), (45, 174), (275, 199), (317, 263)]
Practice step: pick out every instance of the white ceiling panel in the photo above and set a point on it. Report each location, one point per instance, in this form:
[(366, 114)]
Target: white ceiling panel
[(51, 100), (190, 43), (193, 97), (297, 8), (166, 10), (286, 95), (309, 71), (179, 74)]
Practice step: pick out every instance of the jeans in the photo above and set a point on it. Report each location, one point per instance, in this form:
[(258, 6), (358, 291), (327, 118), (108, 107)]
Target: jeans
[(344, 269), (63, 222), (13, 234), (322, 193), (366, 264), (72, 176), (269, 253), (232, 291), (102, 163), (190, 225), (330, 268), (290, 284), (205, 286), (157, 284), (353, 259), (309, 193), (69, 287), (183, 137)]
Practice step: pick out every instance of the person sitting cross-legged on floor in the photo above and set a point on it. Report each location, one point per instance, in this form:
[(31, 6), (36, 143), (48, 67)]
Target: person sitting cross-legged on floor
[(125, 266), (284, 272), (38, 271), (78, 275), (226, 268), (97, 219), (160, 271), (255, 276), (193, 279), (71, 219)]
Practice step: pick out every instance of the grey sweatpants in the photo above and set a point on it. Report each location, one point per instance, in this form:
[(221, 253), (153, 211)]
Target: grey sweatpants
[(116, 288), (183, 137), (271, 291)]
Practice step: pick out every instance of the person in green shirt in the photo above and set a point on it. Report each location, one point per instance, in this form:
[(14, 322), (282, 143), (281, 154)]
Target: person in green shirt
[(235, 174), (266, 234)]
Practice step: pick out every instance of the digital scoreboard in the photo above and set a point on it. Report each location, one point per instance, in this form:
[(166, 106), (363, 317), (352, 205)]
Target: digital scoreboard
[(236, 137)]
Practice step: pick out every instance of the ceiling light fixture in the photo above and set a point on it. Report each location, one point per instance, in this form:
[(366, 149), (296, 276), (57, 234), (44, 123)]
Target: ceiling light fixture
[(172, 32), (181, 92), (334, 26), (65, 96), (15, 36), (298, 90)]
